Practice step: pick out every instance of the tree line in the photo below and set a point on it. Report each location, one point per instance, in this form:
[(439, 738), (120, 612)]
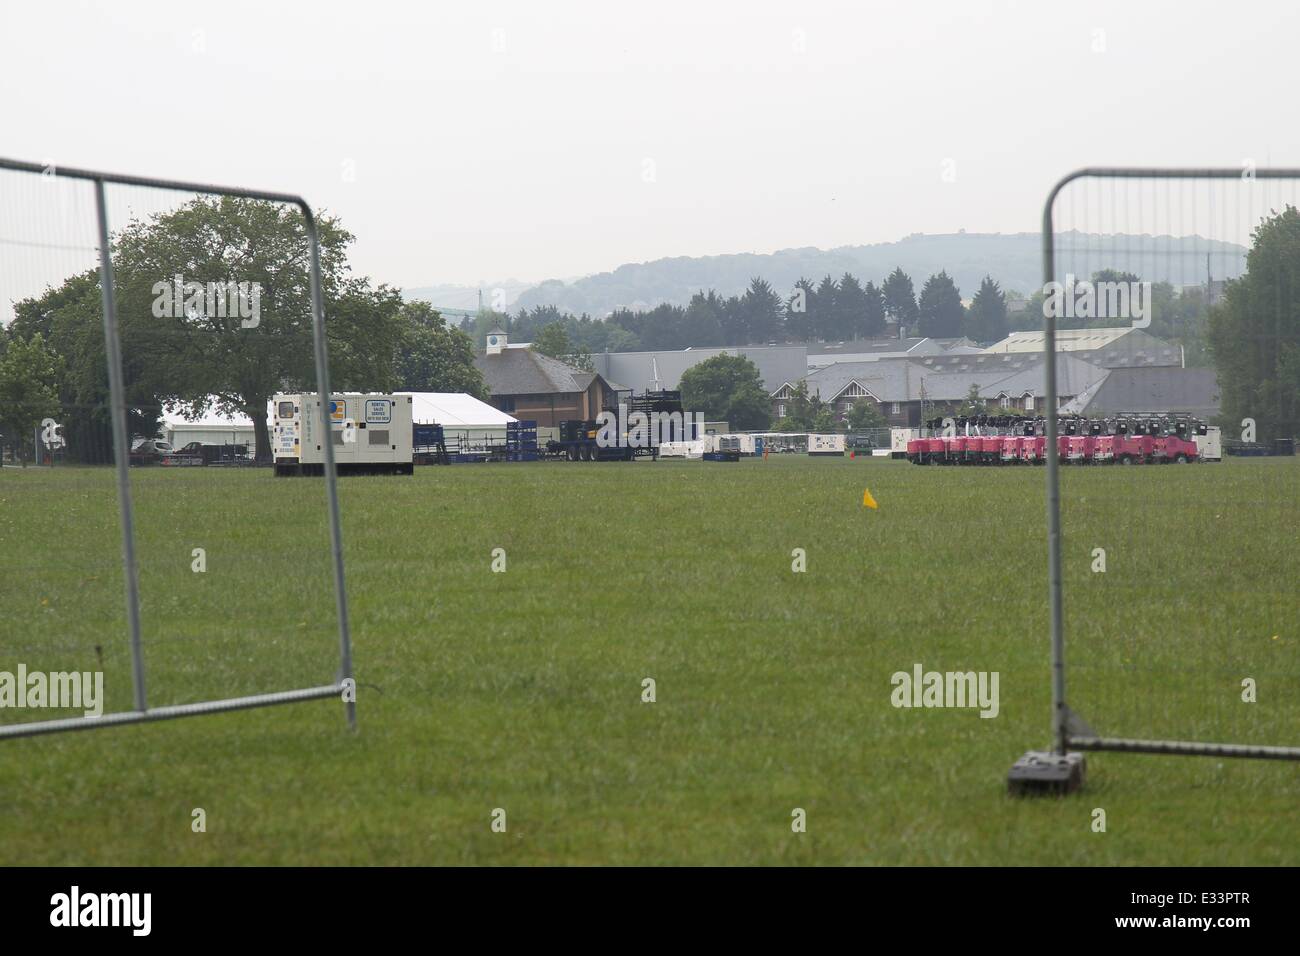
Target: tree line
[(832, 310), (829, 310)]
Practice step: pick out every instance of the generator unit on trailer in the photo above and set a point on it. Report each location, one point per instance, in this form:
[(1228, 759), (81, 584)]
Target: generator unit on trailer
[(826, 445), (371, 434)]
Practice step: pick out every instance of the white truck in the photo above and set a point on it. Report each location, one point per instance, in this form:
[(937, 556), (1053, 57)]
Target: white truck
[(371, 434), (1209, 447)]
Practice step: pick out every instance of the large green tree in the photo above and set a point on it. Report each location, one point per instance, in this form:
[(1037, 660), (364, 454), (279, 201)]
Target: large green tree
[(900, 298), (553, 340), (214, 307), (974, 405), (865, 414), (703, 323), (988, 313), (806, 413), (823, 310), (727, 388), (761, 312), (1254, 333), (70, 320), (799, 326), (940, 307), (850, 308), (873, 316)]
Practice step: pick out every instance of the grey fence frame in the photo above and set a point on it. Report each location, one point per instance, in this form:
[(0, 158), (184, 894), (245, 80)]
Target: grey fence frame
[(1067, 731), (121, 455)]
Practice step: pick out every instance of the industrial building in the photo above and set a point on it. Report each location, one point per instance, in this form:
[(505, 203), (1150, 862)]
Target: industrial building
[(821, 354), (1194, 391), (908, 391), (531, 386), (1124, 347)]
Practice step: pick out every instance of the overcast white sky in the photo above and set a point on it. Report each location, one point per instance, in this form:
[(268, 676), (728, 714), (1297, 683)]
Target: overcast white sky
[(491, 140)]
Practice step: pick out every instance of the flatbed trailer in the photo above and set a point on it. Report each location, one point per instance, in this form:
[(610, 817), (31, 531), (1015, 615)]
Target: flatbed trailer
[(578, 442)]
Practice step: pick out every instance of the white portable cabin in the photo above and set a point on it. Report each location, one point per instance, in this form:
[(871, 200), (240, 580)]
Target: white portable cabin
[(1209, 447), (826, 445), (370, 433), (898, 439)]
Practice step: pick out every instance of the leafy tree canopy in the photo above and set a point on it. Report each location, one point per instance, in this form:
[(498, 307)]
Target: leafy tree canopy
[(727, 388), (1254, 333), (940, 309)]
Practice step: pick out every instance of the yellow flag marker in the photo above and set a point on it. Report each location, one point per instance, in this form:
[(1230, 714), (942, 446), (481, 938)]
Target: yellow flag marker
[(867, 500)]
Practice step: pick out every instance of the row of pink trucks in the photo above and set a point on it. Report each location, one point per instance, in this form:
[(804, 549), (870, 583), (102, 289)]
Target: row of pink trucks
[(1071, 449)]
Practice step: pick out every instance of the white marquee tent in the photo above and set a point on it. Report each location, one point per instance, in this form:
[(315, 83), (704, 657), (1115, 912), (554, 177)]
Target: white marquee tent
[(464, 419), (211, 428), (456, 411)]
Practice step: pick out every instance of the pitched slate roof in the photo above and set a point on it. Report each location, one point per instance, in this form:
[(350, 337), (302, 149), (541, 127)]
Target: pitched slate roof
[(525, 372), (521, 371)]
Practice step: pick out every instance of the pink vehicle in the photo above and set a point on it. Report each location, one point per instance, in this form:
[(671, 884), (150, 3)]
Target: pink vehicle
[(1079, 448), (1175, 449), (1134, 449), (1031, 449), (1127, 438), (1186, 451), (956, 449)]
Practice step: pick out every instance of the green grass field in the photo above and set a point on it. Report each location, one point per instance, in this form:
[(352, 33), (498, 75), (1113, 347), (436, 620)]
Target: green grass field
[(522, 690)]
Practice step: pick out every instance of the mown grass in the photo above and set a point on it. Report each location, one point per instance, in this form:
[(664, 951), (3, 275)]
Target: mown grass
[(522, 690)]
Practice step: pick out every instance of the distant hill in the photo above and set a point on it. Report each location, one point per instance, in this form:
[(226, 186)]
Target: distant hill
[(1014, 260), (465, 297)]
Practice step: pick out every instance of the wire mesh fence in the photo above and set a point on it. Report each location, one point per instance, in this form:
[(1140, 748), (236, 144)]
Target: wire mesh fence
[(151, 555), (1175, 297)]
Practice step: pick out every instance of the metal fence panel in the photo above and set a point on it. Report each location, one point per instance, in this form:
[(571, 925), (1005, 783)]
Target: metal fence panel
[(1171, 306), (116, 268)]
